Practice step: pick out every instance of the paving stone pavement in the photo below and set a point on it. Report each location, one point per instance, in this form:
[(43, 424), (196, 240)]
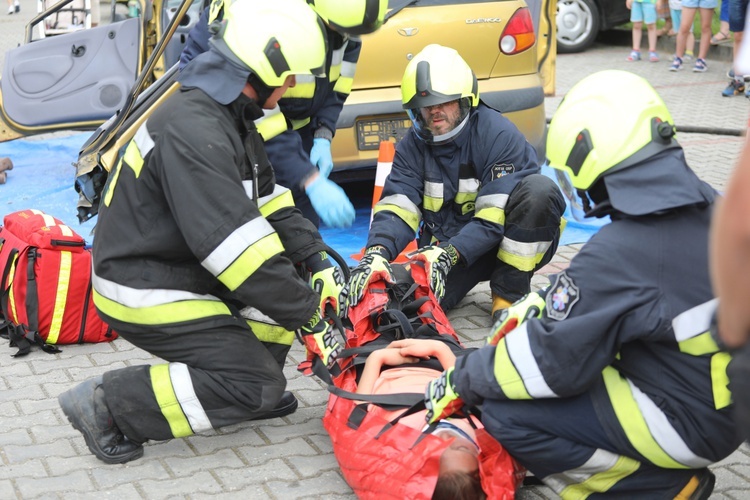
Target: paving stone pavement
[(43, 457)]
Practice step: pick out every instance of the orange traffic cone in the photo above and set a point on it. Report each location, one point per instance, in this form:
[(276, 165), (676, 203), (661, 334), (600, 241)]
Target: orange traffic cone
[(386, 153)]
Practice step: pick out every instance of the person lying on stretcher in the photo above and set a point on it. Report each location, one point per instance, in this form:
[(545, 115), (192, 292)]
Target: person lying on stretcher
[(387, 371)]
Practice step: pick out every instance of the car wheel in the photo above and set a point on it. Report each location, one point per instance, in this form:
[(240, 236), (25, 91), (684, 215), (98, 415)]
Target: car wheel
[(577, 25)]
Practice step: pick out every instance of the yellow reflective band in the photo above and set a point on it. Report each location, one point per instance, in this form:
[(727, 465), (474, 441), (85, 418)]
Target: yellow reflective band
[(301, 91), (250, 260), (631, 419), (491, 214), (520, 263), (601, 481), (284, 200), (164, 314), (344, 85), (334, 72), (110, 186), (275, 334), (432, 204), (563, 224), (12, 298), (699, 345), (298, 124), (270, 126), (133, 158), (507, 376), (167, 401), (462, 198), (720, 380), (410, 218), (61, 297)]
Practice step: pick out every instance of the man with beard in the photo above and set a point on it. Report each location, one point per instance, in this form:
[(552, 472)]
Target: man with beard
[(467, 182)]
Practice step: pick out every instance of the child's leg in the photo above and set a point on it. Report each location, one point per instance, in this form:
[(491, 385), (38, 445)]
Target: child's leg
[(705, 43), (636, 17), (688, 15), (649, 17), (637, 35)]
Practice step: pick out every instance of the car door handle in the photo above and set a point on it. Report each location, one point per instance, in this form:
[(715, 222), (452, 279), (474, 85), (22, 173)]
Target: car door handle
[(78, 51)]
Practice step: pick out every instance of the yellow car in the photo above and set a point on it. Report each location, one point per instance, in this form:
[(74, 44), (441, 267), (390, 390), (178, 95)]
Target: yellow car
[(509, 44)]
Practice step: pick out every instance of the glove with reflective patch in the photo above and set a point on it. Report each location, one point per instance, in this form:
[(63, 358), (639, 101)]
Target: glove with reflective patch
[(529, 306), (320, 155), (441, 398), (372, 266), (330, 203), (319, 340), (438, 260)]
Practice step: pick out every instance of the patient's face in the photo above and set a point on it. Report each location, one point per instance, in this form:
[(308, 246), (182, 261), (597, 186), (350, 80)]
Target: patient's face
[(461, 456)]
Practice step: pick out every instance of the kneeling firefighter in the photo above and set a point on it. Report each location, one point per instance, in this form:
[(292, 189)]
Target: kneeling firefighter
[(193, 230), (611, 384)]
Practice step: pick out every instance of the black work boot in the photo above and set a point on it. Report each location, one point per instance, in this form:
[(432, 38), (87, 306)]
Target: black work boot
[(87, 411), (699, 487), (286, 406)]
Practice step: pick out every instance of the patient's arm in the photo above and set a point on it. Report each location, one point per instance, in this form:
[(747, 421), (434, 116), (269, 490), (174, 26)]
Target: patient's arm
[(375, 362)]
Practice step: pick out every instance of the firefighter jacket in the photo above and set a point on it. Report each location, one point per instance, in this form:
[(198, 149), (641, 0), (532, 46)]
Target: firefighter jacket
[(192, 223), (312, 102), (628, 322), (458, 190)]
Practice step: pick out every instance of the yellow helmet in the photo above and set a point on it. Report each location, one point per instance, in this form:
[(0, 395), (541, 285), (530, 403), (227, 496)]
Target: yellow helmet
[(609, 121), (273, 39), (437, 75), (351, 17)]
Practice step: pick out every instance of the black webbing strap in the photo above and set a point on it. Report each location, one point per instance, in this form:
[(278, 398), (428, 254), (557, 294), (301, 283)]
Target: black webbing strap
[(32, 292), (6, 289)]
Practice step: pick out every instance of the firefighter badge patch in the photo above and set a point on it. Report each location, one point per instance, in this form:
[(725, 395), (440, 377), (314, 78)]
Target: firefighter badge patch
[(561, 297), (501, 169)]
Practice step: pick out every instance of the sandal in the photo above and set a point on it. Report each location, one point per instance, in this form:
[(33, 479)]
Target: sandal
[(719, 37)]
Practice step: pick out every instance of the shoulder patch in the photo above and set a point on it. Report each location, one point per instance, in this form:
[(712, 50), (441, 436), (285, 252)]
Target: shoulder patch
[(561, 297), (501, 169)]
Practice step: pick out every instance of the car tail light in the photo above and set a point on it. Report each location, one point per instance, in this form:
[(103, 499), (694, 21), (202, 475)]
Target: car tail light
[(518, 34)]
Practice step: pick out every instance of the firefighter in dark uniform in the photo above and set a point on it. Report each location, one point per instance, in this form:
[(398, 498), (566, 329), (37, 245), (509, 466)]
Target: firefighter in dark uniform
[(467, 180), (298, 133), (193, 230), (610, 383)]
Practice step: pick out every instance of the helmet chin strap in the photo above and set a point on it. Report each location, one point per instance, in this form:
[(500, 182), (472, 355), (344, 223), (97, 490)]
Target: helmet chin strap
[(440, 139), (261, 89)]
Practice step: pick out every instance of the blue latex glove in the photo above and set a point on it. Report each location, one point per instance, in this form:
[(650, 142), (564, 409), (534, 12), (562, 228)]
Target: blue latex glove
[(320, 155), (330, 203)]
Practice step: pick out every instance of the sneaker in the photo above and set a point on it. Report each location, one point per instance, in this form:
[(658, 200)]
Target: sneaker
[(688, 55), (635, 55), (86, 409), (653, 57), (730, 74), (10, 10), (17, 6), (676, 64), (735, 87), (700, 66)]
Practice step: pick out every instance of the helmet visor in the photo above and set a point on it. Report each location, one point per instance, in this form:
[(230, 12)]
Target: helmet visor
[(576, 204)]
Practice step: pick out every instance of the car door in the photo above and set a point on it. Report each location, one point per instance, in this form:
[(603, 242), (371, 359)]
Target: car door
[(77, 80), (74, 80)]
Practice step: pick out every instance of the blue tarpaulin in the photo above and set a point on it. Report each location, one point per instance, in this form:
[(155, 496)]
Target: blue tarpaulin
[(43, 177)]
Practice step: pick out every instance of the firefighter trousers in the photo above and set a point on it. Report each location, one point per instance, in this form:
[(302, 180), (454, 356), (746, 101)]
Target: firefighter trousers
[(214, 377), (533, 218), (564, 444)]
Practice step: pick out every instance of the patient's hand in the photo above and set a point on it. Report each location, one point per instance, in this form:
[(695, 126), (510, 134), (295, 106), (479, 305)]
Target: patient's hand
[(425, 348)]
